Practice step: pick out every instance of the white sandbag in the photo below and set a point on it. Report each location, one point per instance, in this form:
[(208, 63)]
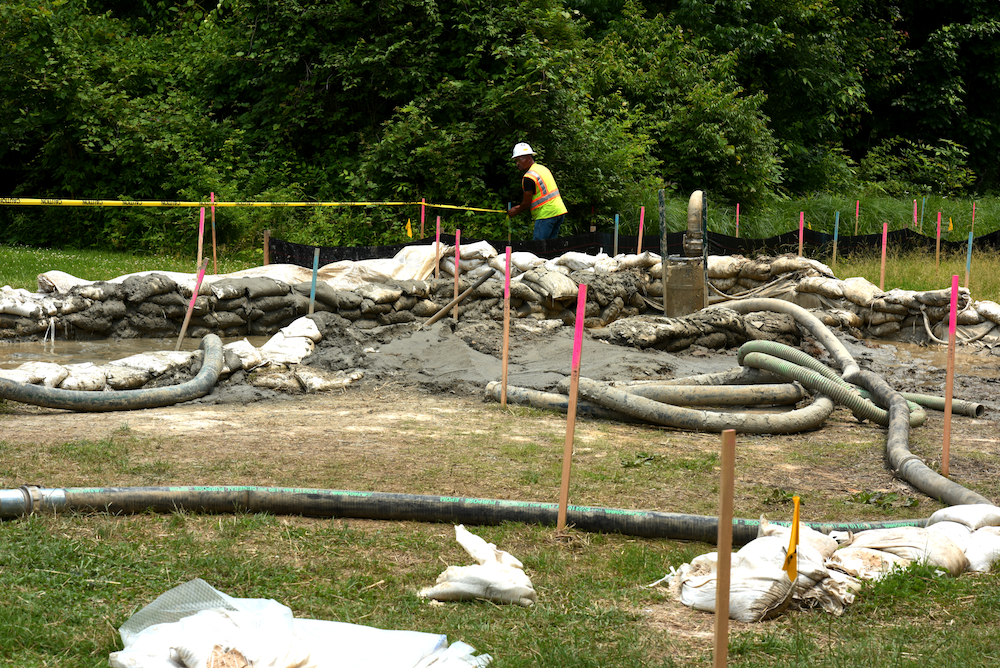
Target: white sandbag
[(498, 576), (44, 373), (249, 355), (552, 266), (85, 377), (524, 260), (303, 327), (610, 265), (820, 542), (579, 261), (482, 270), (983, 549), (281, 349), (956, 531), (789, 263), (755, 593), (22, 307), (481, 250), (907, 298), (859, 290), (865, 563), (973, 515), (916, 544)]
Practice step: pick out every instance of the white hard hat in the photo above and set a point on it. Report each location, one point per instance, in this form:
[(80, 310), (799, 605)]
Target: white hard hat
[(522, 149)]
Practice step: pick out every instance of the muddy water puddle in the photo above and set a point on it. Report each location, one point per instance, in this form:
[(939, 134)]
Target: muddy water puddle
[(13, 353), (931, 358)]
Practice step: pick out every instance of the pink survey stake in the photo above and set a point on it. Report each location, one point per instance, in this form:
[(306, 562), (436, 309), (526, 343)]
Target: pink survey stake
[(581, 310)]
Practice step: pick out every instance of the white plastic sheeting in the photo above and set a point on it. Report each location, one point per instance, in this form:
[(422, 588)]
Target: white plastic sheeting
[(193, 624)]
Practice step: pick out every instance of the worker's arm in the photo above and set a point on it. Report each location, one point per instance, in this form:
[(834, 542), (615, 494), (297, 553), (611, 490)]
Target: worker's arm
[(525, 204)]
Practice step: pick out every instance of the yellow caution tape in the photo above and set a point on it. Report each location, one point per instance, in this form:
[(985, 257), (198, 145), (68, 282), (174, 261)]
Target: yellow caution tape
[(55, 201)]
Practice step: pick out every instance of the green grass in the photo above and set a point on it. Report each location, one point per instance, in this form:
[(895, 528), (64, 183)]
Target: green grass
[(20, 265)]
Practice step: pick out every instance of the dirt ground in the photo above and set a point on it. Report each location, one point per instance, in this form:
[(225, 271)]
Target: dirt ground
[(425, 386)]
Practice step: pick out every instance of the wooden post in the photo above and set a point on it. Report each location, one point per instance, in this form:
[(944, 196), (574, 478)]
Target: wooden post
[(267, 247), (949, 383), (642, 215), (836, 231), (574, 385), (458, 256), (190, 308), (802, 224), (937, 255), (724, 544)]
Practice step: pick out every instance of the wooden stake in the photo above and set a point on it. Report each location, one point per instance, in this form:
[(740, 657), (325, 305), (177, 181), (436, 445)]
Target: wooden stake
[(616, 236), (423, 210), (642, 215), (724, 543), (506, 333), (267, 247), (949, 385), (574, 385), (968, 261)]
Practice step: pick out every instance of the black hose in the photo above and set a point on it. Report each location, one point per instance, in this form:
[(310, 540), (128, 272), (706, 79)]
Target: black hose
[(126, 400), (390, 506)]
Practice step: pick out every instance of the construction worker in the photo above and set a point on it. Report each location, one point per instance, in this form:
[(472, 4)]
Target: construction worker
[(541, 194)]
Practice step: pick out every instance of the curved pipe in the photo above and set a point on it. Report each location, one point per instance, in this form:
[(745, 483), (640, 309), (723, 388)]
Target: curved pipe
[(95, 402), (803, 419), (724, 395), (815, 326), (388, 506), (906, 464), (838, 390), (554, 402)]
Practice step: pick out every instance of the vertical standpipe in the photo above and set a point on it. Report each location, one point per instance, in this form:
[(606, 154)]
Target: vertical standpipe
[(685, 285)]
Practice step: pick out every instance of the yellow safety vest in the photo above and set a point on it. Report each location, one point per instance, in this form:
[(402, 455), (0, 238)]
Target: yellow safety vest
[(546, 203)]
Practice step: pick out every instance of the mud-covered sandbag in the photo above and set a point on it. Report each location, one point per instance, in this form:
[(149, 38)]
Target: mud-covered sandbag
[(916, 544), (725, 266), (550, 284), (905, 298), (85, 377), (139, 288), (498, 576), (860, 290), (973, 515), (644, 260), (120, 377), (156, 363), (756, 592), (316, 380), (989, 310), (983, 549), (579, 261), (943, 297), (380, 294), (20, 307), (865, 563), (821, 285)]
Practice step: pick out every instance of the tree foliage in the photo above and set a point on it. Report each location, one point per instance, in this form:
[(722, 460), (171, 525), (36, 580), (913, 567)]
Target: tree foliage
[(398, 100)]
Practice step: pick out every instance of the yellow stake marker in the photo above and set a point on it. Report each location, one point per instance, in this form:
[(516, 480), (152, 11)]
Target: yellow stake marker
[(791, 565)]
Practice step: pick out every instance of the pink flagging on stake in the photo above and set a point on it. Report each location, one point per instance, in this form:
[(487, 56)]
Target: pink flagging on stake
[(949, 385), (458, 252), (423, 210), (201, 234), (581, 311), (802, 224), (506, 282), (737, 220), (885, 240), (437, 249), (914, 214)]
